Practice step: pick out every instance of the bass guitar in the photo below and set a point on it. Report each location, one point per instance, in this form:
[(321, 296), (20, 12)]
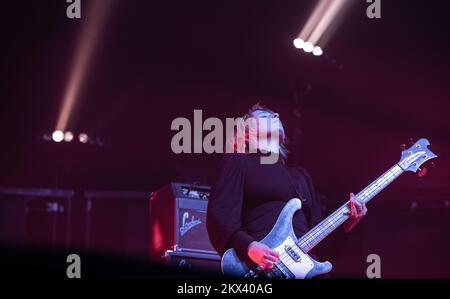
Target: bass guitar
[(294, 261)]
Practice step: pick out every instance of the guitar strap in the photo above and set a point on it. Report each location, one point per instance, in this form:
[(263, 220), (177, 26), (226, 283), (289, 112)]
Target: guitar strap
[(292, 173), (295, 184)]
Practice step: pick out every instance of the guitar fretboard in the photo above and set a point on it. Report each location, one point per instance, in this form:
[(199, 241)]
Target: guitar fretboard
[(329, 224)]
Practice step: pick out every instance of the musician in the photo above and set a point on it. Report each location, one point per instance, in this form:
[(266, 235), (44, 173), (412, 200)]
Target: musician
[(247, 197)]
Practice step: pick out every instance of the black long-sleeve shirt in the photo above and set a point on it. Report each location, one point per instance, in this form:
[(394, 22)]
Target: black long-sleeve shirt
[(248, 196)]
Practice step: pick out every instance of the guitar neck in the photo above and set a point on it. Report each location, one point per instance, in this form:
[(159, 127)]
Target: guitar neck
[(329, 224)]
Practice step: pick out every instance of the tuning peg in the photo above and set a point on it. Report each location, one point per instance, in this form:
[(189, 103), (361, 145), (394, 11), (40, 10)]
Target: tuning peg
[(422, 172), (403, 146), (432, 164)]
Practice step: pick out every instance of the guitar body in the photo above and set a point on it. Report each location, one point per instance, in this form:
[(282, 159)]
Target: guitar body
[(292, 263)]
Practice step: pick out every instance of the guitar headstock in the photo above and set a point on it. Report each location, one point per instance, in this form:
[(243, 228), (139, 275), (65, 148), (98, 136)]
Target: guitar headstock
[(413, 157)]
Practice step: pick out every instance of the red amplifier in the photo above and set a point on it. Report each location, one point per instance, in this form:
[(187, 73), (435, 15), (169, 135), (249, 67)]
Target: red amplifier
[(178, 219)]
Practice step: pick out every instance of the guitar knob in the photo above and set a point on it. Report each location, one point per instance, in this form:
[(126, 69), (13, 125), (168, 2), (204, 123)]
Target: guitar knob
[(422, 172)]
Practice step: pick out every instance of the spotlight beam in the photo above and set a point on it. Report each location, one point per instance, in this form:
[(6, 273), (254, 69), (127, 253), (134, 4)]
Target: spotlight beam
[(325, 20), (314, 19), (89, 37)]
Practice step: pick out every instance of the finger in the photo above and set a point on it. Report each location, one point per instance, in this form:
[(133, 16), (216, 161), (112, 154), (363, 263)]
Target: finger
[(270, 258), (271, 252), (355, 201), (353, 209), (364, 210), (359, 208), (268, 265), (275, 254), (354, 212)]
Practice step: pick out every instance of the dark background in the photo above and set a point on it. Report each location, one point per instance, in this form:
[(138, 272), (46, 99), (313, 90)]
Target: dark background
[(379, 83)]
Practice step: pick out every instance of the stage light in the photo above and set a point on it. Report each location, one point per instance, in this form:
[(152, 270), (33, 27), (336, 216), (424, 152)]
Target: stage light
[(68, 136), (321, 24), (317, 51), (308, 47), (83, 138), (58, 136), (298, 43)]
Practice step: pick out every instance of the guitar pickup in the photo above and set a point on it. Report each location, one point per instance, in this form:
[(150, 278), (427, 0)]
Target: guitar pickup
[(292, 253)]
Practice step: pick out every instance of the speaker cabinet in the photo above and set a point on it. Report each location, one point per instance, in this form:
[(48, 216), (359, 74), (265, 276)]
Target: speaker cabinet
[(39, 218), (117, 223), (178, 219), (193, 260)]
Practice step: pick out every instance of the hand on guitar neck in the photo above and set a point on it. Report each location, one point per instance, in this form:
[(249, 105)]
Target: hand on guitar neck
[(358, 211)]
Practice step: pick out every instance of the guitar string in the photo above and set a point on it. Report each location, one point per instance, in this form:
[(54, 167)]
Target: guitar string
[(331, 222), (321, 228)]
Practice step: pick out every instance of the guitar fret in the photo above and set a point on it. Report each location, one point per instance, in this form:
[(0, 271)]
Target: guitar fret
[(320, 233), (380, 184)]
